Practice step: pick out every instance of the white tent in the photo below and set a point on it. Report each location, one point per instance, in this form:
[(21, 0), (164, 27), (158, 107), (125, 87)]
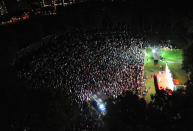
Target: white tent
[(169, 78)]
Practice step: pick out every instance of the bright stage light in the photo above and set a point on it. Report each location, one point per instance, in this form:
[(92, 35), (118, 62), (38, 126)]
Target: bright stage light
[(102, 107), (153, 50)]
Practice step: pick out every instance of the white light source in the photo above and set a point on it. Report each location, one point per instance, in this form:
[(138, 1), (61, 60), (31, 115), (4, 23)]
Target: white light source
[(102, 107), (153, 50)]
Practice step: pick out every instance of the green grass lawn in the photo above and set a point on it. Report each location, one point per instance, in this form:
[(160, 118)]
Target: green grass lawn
[(174, 59), (172, 55)]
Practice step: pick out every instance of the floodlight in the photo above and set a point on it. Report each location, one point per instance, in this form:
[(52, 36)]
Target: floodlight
[(102, 107), (153, 50)]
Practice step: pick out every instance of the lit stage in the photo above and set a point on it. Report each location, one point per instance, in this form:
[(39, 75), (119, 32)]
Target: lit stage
[(165, 80)]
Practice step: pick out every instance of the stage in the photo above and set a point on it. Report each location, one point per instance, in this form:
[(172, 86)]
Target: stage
[(162, 81), (165, 80)]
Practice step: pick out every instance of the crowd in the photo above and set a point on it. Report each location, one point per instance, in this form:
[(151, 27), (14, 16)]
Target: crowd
[(86, 62)]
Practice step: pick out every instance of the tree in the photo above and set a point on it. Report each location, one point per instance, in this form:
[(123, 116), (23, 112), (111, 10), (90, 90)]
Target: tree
[(128, 113), (43, 109)]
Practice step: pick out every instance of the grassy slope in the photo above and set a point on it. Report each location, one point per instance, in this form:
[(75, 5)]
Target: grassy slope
[(168, 55)]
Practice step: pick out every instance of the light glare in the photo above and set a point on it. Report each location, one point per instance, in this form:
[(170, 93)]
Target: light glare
[(102, 107), (153, 50)]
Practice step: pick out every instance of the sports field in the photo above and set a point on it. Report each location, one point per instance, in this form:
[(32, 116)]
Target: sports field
[(174, 58)]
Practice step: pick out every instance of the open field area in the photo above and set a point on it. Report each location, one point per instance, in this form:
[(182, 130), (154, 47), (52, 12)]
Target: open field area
[(174, 58)]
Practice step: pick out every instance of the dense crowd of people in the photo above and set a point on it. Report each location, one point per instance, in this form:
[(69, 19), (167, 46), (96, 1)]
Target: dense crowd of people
[(86, 62)]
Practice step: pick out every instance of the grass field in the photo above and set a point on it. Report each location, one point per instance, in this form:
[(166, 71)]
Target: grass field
[(174, 59)]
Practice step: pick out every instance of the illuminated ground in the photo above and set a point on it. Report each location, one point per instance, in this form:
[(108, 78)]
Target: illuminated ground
[(174, 59)]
